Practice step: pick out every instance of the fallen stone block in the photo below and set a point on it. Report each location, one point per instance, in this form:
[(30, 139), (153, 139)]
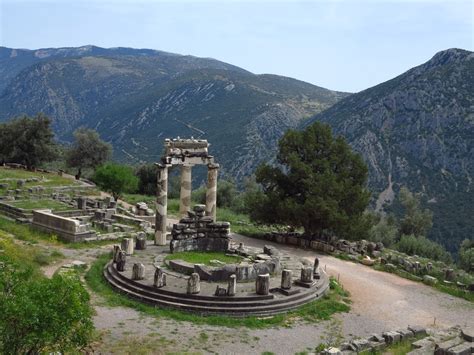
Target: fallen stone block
[(361, 344), (468, 334), (377, 338), (417, 330), (465, 348), (392, 337), (442, 348), (405, 333)]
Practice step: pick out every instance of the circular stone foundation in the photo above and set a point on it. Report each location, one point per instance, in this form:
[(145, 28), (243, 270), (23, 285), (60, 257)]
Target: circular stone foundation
[(214, 296)]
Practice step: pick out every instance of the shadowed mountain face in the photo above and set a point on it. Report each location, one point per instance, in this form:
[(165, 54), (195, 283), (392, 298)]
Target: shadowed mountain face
[(417, 130), (137, 97)]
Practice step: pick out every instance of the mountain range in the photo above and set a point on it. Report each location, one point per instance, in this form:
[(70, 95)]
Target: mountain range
[(135, 98), (415, 130)]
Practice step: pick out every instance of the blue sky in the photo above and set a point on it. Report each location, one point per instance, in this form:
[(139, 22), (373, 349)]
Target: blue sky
[(341, 45)]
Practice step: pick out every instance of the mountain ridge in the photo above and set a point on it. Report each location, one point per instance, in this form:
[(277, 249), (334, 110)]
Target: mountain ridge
[(416, 130)]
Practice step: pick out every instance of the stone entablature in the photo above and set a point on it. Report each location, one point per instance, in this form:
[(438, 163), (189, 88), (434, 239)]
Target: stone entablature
[(67, 228)]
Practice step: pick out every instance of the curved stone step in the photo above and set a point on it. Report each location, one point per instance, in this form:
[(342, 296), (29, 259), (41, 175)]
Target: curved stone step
[(235, 301), (242, 308)]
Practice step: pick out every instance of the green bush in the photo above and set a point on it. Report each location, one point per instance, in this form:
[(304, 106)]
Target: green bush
[(422, 246), (116, 179)]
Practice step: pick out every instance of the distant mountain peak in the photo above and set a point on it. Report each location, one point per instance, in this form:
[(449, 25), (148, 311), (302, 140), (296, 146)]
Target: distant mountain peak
[(449, 56)]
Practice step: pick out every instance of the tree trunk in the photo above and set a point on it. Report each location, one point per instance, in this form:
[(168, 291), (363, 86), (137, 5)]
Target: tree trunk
[(78, 175)]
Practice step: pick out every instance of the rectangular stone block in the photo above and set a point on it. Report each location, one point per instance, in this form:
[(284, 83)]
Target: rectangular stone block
[(465, 348)]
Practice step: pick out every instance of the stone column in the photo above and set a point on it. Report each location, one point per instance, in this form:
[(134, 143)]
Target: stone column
[(194, 284), (185, 193), (127, 246), (211, 192), (121, 260), (262, 284), (232, 285), (116, 250), (316, 274), (161, 204), (159, 279), (307, 274), (286, 279), (138, 271)]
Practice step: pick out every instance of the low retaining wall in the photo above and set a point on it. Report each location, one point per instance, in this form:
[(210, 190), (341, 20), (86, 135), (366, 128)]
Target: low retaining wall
[(66, 228), (14, 212)]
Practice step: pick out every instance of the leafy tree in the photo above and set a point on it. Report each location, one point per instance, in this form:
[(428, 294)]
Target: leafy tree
[(227, 194), (319, 186), (147, 175), (385, 231), (415, 221), (116, 179), (27, 140), (466, 255), (40, 315), (87, 151)]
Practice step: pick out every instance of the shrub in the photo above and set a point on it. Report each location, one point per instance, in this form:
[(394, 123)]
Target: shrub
[(422, 246)]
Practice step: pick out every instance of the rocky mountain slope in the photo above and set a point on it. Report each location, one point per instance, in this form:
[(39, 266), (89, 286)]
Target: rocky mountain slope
[(136, 98), (417, 130)]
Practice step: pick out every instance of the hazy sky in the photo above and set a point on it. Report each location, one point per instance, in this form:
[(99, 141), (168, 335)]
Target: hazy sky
[(341, 45)]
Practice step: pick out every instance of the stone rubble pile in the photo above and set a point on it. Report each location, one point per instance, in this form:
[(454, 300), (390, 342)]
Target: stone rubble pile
[(453, 341), (199, 232)]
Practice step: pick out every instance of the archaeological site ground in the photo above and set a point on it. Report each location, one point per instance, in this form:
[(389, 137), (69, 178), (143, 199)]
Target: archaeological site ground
[(174, 276)]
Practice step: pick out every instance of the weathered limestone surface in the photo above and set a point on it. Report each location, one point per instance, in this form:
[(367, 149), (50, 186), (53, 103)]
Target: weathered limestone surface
[(262, 284), (115, 252), (194, 284), (211, 192), (127, 246), (159, 279), (141, 243), (121, 260), (232, 285), (286, 280), (138, 271), (185, 193), (306, 274), (67, 228), (161, 204)]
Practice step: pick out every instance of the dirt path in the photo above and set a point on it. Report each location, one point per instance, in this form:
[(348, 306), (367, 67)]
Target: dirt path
[(385, 299), (381, 302)]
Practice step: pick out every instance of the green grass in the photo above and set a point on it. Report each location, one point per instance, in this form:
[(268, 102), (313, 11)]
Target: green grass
[(240, 223), (27, 253), (205, 258), (38, 204), (400, 348), (10, 176), (29, 234), (173, 203), (315, 311), (451, 290)]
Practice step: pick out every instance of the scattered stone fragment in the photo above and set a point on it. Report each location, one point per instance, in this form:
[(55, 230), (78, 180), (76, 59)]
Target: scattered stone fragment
[(262, 284), (286, 279), (392, 337), (121, 260), (127, 246), (138, 271), (306, 274), (159, 279), (232, 285), (194, 284)]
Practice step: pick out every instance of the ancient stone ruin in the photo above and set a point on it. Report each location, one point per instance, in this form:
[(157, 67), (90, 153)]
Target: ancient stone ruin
[(185, 153), (252, 285)]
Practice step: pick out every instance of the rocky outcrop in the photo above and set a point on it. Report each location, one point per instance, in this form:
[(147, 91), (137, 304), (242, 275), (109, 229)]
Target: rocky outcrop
[(416, 130)]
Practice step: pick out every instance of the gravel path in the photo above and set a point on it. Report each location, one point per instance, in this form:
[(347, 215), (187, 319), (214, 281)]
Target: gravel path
[(381, 302)]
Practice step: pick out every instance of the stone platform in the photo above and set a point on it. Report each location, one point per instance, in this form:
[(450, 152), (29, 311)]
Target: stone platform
[(245, 302)]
